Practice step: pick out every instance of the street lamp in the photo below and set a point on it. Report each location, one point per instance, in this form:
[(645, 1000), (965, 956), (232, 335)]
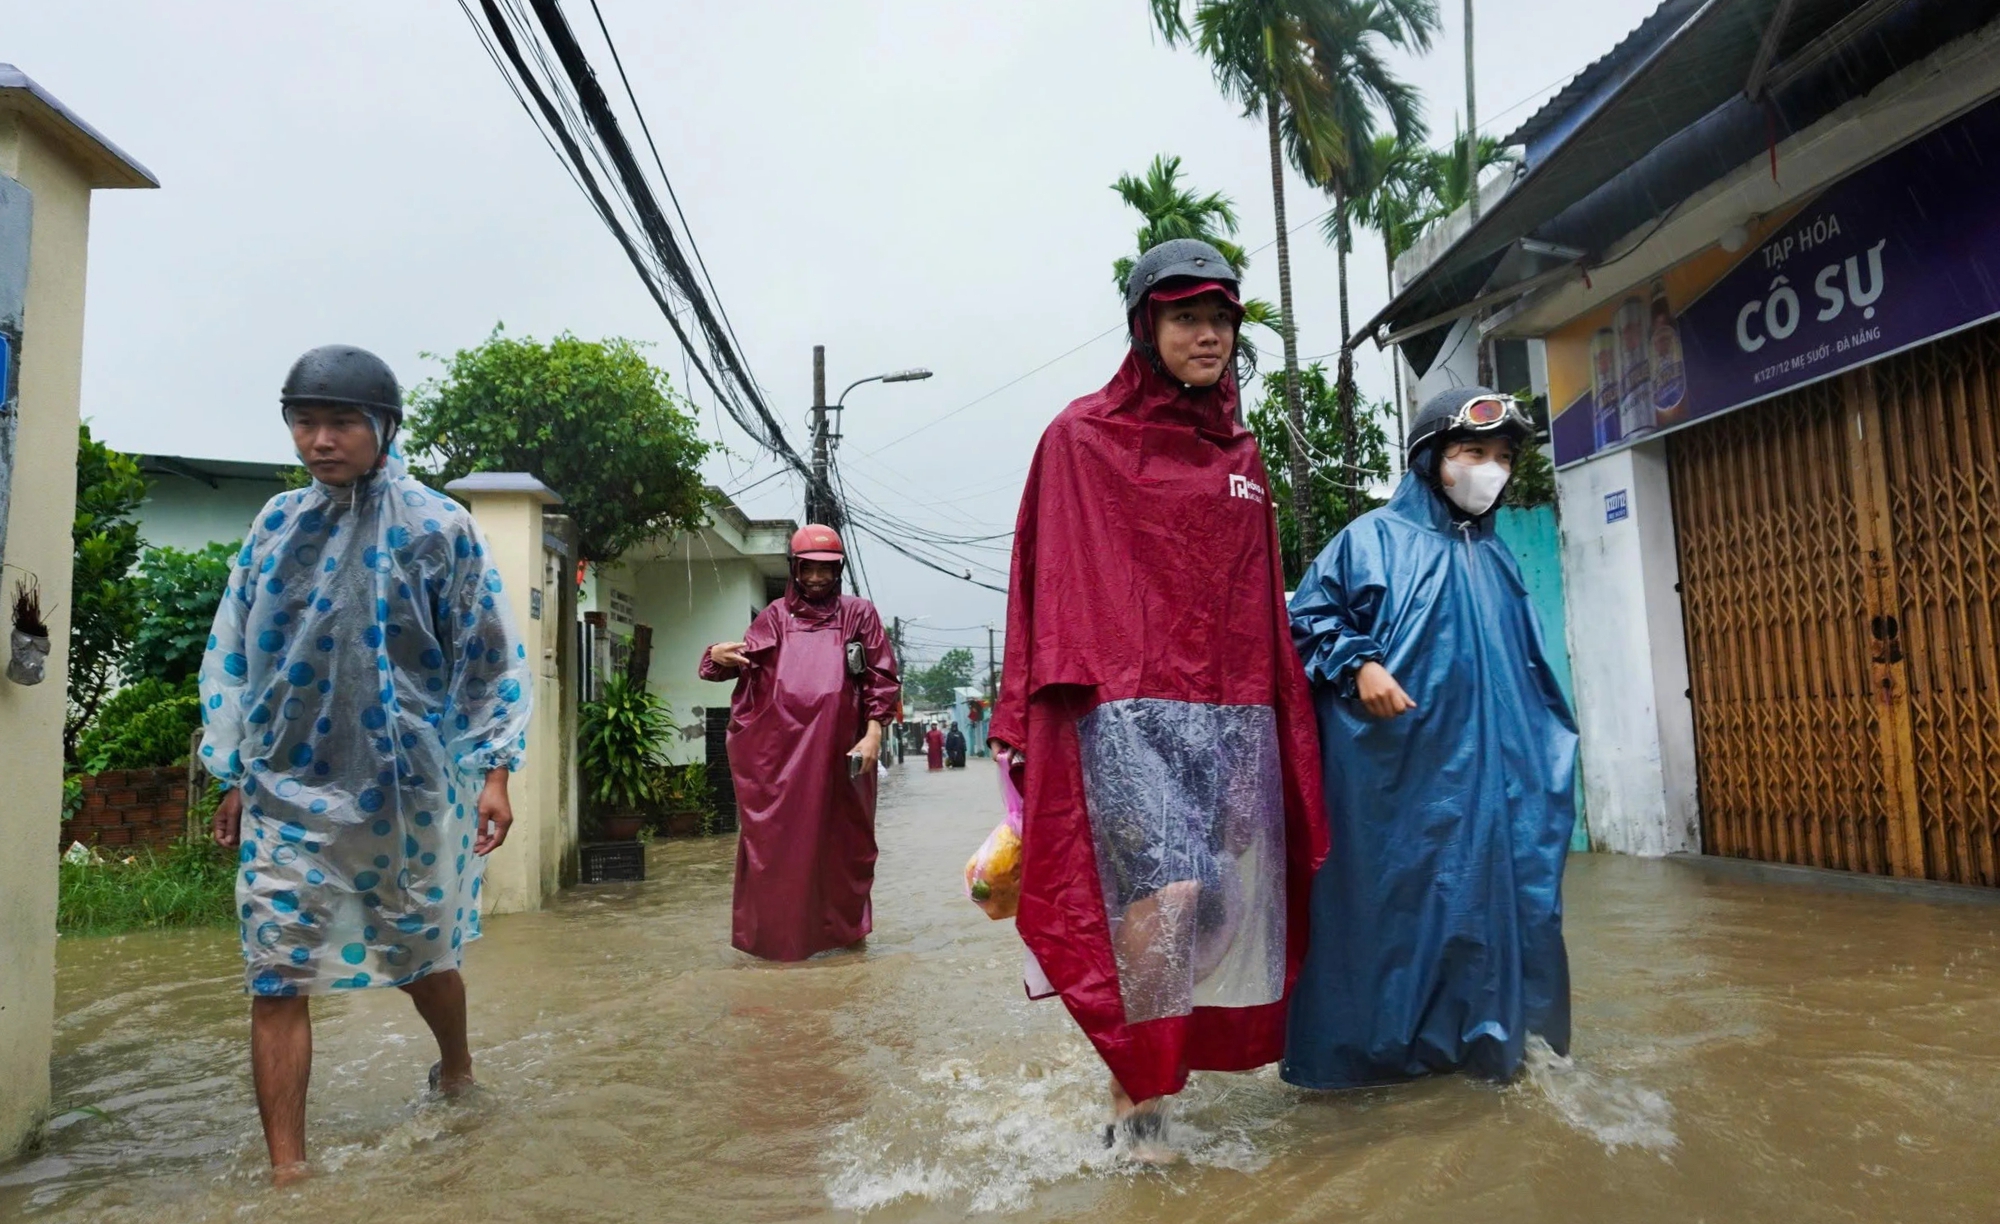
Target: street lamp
[(819, 497), (916, 375)]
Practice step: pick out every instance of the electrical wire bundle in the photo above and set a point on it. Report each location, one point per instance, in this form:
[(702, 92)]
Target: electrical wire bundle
[(537, 52), (535, 49)]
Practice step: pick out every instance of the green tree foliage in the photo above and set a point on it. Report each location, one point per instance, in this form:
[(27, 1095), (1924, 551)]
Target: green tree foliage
[(1534, 482), (1445, 171), (935, 685), (1172, 211), (104, 603), (1261, 53), (1334, 502), (178, 592), (593, 420)]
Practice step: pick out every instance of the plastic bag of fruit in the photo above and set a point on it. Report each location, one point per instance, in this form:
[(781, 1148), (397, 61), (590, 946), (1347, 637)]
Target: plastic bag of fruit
[(993, 875)]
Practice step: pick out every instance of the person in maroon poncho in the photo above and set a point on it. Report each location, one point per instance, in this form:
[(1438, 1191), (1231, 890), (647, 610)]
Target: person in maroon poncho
[(1157, 713), (934, 747), (815, 682)]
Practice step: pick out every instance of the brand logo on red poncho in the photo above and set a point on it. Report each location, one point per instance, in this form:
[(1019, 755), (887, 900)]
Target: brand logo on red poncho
[(1246, 488)]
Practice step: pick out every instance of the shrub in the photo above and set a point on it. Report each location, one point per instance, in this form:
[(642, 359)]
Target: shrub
[(144, 725), (178, 594)]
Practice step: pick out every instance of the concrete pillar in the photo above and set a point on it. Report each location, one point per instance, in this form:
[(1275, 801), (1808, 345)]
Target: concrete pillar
[(1628, 653), (534, 564), (49, 163)]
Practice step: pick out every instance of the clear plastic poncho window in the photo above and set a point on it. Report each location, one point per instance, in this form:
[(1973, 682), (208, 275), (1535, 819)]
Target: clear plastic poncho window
[(361, 679), (1187, 812)]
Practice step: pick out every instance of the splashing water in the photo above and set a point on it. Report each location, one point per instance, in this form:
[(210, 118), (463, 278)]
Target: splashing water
[(1615, 1112), (985, 1139)]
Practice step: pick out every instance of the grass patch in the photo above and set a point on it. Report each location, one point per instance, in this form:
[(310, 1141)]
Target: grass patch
[(190, 884)]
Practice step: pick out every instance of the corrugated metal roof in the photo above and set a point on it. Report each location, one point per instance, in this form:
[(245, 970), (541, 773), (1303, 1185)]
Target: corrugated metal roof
[(1667, 89), (1662, 22)]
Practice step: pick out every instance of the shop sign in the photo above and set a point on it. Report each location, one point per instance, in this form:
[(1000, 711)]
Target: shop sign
[(1903, 251)]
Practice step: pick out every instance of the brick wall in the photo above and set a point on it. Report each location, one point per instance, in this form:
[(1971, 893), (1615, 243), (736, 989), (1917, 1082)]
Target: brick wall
[(131, 807)]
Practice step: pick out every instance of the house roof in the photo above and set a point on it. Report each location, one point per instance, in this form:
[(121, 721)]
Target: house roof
[(1607, 69), (210, 472), (108, 165), (1662, 115)]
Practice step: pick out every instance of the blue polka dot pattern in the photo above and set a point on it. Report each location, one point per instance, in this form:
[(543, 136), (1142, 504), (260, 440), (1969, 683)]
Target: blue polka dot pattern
[(361, 673)]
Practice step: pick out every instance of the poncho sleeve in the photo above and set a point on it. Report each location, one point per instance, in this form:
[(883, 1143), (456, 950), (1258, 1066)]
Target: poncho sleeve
[(715, 672), (491, 686), (225, 672), (879, 684), (1334, 610)]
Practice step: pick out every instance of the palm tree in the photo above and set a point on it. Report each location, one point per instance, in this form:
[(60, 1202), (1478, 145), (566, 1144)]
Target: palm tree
[(1447, 171), (1261, 55), (1173, 211), (1349, 39), (1396, 202)]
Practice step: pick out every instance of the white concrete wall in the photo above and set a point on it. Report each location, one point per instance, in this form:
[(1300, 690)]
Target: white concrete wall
[(526, 871), (39, 514), (690, 605), (187, 514), (1628, 650)]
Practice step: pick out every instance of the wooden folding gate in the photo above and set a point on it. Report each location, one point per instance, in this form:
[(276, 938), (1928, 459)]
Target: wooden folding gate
[(1840, 577)]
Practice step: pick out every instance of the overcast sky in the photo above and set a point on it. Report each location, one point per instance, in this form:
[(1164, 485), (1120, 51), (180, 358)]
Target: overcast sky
[(909, 183)]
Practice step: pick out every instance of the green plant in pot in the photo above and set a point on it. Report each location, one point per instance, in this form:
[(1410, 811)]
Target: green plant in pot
[(620, 736), (685, 804)]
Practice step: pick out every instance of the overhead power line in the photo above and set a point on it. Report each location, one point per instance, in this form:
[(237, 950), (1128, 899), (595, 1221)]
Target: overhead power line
[(576, 118)]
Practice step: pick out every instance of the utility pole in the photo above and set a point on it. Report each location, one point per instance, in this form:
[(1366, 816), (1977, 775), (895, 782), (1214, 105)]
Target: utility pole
[(896, 644), (817, 495), (1471, 121), (992, 670)]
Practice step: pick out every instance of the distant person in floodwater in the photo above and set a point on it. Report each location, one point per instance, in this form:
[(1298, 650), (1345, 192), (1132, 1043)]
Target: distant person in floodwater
[(1437, 938), (934, 747), (365, 696), (815, 684), (954, 748), (1155, 707)]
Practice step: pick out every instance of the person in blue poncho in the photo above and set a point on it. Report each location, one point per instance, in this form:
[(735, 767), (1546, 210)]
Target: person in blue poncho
[(1449, 752), (364, 698)]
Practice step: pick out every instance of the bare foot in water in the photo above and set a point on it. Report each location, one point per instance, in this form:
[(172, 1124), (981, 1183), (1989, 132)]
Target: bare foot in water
[(1143, 1126), (290, 1174), (452, 1087)]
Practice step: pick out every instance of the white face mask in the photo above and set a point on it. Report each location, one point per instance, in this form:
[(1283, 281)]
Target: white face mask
[(1475, 487)]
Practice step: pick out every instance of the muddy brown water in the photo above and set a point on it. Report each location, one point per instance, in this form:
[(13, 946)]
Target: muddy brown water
[(1745, 1051)]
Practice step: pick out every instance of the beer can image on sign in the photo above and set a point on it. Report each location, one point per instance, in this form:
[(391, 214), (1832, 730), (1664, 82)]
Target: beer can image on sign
[(1636, 413), (1669, 371), (1607, 391)]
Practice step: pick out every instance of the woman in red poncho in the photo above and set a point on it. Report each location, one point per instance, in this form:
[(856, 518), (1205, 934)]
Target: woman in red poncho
[(1157, 712), (934, 747), (815, 681)]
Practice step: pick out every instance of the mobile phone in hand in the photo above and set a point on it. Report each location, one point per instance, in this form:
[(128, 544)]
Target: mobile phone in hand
[(854, 764)]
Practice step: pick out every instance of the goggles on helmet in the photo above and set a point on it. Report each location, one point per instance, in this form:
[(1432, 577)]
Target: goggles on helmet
[(1489, 413)]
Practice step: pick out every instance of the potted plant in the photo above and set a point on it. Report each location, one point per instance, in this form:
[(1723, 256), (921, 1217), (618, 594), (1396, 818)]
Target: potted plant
[(618, 751), (686, 810)]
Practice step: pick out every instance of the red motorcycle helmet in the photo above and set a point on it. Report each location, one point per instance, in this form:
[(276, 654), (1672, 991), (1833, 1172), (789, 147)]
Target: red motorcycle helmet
[(814, 542)]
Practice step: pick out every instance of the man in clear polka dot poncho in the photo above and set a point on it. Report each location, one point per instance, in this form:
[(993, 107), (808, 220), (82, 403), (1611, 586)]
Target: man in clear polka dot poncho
[(365, 698)]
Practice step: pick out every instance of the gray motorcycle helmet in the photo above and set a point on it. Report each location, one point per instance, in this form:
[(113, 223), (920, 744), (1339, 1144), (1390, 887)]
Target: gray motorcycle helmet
[(349, 377), (1177, 259)]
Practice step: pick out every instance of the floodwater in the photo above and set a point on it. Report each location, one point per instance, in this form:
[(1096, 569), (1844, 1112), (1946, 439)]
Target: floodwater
[(1745, 1051)]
